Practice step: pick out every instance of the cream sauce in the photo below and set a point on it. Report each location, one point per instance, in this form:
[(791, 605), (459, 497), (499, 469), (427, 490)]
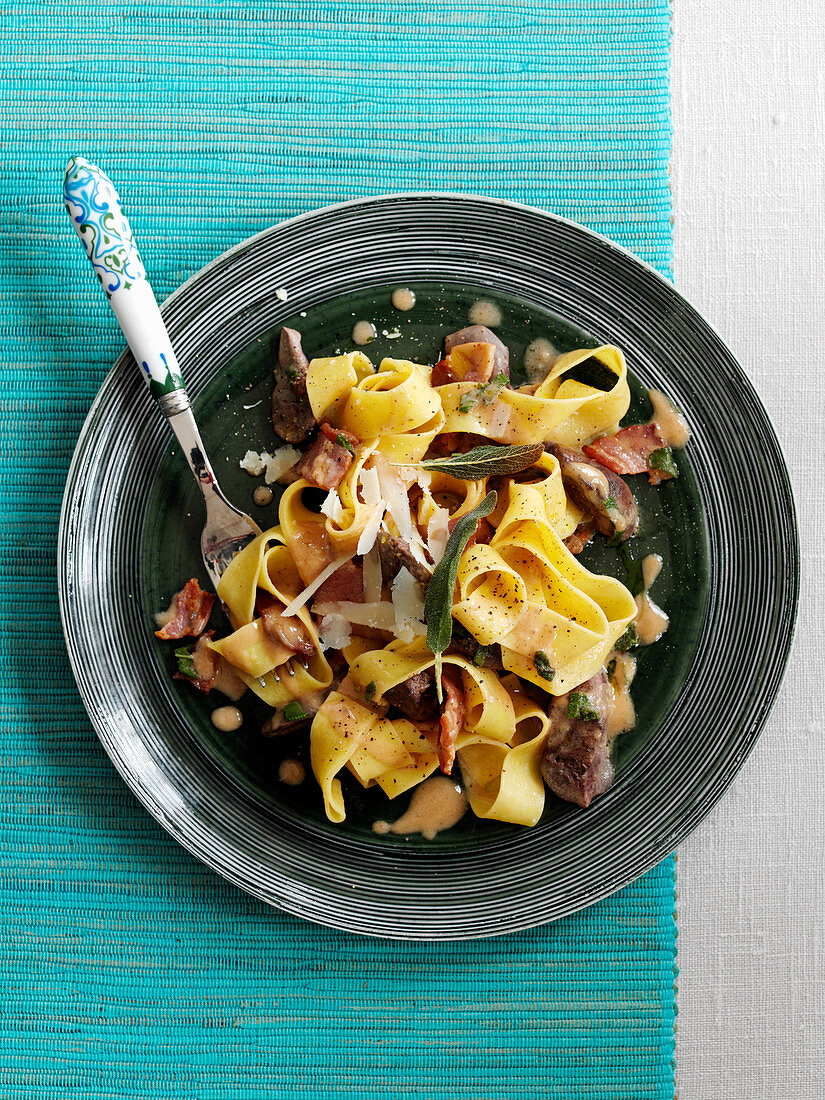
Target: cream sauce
[(363, 332), (311, 542), (539, 357), (651, 621), (622, 716), (228, 682), (485, 313), (403, 299), (203, 659), (292, 772), (227, 719), (651, 568), (438, 804), (164, 617), (672, 424), (262, 496)]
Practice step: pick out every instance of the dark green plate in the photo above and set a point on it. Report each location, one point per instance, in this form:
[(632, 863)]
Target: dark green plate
[(130, 537)]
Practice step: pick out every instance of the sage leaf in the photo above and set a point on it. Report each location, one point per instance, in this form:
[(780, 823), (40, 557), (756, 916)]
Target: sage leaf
[(488, 461), (438, 603), (541, 663), (294, 712), (579, 706), (186, 665), (486, 393), (662, 460), (628, 640)]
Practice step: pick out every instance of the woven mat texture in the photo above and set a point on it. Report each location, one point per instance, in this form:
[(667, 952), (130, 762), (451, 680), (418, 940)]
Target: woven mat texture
[(128, 969)]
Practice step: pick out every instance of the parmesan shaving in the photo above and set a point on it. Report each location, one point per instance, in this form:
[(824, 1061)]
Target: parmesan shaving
[(271, 466), (372, 576), (335, 632), (313, 586), (278, 464), (438, 531), (370, 532), (370, 487), (398, 505), (251, 462), (332, 507), (408, 603), (380, 616)]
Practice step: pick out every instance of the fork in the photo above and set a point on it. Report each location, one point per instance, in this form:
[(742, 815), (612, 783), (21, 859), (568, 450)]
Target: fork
[(96, 213)]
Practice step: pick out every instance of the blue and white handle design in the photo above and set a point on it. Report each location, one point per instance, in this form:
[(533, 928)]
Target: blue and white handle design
[(95, 210)]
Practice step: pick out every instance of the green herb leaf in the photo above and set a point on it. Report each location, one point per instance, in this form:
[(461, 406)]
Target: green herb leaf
[(486, 393), (610, 502), (611, 668), (480, 656), (488, 461), (438, 609), (342, 441), (185, 663), (291, 373), (369, 691), (543, 666), (628, 640), (616, 538), (635, 576), (294, 712), (579, 706), (663, 460)]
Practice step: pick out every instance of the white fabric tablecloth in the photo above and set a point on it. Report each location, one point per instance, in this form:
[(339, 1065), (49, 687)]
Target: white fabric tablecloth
[(749, 198)]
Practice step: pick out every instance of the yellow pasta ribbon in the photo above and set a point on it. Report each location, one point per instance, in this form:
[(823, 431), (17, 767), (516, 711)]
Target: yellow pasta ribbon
[(529, 593), (345, 734), (560, 410), (398, 398), (304, 533), (330, 380), (489, 708), (268, 668)]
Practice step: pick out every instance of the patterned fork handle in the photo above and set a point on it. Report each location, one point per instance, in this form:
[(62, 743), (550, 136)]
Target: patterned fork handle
[(97, 214)]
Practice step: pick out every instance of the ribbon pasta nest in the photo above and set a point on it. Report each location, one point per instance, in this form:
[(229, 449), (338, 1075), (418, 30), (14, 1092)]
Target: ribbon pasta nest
[(419, 605)]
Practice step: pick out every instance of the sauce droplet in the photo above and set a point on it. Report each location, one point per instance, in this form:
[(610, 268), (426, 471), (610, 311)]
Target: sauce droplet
[(622, 715), (262, 496), (539, 357), (363, 332), (227, 719), (438, 804), (292, 772), (403, 299), (672, 425), (484, 312), (651, 621)]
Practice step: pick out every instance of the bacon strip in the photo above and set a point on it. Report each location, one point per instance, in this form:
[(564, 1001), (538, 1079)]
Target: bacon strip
[(443, 373), (628, 451), (576, 542), (191, 608), (452, 717), (327, 460)]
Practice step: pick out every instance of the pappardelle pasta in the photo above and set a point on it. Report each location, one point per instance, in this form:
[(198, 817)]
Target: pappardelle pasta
[(420, 606)]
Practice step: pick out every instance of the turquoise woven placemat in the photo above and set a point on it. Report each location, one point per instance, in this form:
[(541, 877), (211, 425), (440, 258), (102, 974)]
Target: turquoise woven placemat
[(128, 969)]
